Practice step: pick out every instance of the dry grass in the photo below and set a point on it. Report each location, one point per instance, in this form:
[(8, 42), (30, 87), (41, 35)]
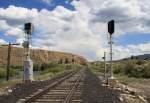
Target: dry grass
[(38, 56), (139, 83)]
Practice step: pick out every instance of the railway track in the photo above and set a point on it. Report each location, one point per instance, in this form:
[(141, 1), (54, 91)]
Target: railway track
[(64, 90)]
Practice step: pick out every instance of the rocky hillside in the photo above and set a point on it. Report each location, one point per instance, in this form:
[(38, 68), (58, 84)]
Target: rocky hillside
[(38, 56)]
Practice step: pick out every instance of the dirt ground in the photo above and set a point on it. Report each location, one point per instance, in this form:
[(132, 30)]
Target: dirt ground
[(143, 86)]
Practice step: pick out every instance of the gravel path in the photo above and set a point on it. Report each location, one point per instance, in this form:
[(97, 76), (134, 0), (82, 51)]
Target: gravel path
[(94, 92)]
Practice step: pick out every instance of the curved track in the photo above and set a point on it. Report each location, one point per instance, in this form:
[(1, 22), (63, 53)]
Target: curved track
[(65, 90)]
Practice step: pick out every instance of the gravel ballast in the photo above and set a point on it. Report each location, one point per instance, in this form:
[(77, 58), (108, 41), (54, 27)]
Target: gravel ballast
[(94, 92), (20, 91)]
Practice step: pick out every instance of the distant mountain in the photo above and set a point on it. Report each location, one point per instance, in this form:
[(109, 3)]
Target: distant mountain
[(38, 56), (139, 57)]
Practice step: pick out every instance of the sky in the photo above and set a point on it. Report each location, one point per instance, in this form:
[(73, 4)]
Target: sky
[(79, 26)]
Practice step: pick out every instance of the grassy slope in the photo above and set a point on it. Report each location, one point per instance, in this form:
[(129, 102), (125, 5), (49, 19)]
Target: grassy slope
[(141, 83)]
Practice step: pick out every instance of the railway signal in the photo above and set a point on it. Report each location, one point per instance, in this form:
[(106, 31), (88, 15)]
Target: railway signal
[(28, 64), (8, 59), (28, 27), (111, 27)]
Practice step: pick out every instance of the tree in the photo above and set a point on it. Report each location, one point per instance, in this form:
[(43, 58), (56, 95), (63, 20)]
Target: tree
[(60, 61), (73, 60), (66, 61), (132, 57)]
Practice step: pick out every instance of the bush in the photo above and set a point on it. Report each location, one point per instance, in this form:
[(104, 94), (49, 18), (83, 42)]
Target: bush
[(36, 67), (13, 72), (2, 73), (68, 67), (147, 71), (131, 68), (139, 62), (19, 67), (60, 61), (99, 67), (66, 61), (54, 70), (118, 69), (128, 68), (136, 71), (134, 68)]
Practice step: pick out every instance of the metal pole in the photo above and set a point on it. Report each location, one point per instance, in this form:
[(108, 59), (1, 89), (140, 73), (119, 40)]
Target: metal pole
[(105, 66), (8, 62), (28, 49), (111, 68)]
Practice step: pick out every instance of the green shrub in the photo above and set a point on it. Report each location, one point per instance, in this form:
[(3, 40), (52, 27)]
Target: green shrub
[(131, 68), (19, 67), (13, 72), (147, 71), (68, 67), (36, 67), (140, 62), (99, 67), (66, 61), (128, 68), (50, 65), (57, 68), (2, 73), (118, 69), (136, 72), (43, 66), (60, 61)]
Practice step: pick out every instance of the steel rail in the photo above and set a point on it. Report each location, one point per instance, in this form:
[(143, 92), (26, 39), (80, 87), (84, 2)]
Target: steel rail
[(73, 90), (41, 92)]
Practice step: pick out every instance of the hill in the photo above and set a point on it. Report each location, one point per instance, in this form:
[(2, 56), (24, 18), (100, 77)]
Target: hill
[(38, 56), (139, 57)]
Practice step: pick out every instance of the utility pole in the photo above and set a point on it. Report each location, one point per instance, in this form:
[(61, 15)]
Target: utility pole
[(8, 60), (111, 31)]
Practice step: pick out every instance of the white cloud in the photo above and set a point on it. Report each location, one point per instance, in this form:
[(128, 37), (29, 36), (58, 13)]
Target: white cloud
[(47, 1), (2, 42), (121, 52), (4, 25), (17, 15), (15, 32), (13, 12), (82, 31)]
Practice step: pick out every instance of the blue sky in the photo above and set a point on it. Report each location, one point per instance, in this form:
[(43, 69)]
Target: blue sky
[(36, 4), (71, 25), (133, 38)]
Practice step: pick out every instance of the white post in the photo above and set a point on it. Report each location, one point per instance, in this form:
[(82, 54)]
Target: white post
[(28, 70)]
